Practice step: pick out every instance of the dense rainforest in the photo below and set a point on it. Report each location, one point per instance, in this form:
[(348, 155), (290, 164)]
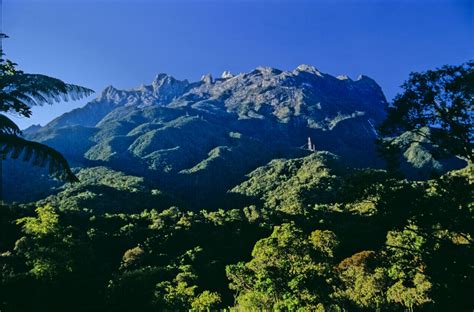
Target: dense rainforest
[(306, 232), (315, 238)]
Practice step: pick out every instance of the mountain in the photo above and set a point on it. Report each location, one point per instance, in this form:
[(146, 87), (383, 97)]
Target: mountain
[(304, 94), (197, 140)]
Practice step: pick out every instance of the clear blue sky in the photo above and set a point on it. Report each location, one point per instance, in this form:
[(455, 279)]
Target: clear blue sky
[(126, 43)]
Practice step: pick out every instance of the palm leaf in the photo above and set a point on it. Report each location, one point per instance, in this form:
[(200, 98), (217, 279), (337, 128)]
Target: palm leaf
[(7, 126), (20, 91), (12, 146)]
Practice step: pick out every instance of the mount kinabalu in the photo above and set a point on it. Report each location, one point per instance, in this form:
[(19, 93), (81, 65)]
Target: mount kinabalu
[(209, 134), (304, 99), (194, 139), (306, 94)]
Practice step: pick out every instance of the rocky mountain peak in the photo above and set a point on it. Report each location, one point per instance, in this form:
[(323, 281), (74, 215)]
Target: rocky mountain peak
[(166, 87), (164, 80), (207, 79), (366, 79), (31, 129), (367, 83), (344, 77), (108, 93), (307, 69), (227, 75), (266, 71)]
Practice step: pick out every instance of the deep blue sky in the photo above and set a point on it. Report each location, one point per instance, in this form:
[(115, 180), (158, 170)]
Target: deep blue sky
[(126, 43)]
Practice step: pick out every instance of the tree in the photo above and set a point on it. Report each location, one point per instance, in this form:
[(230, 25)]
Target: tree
[(49, 248), (288, 271), (19, 92), (406, 252), (362, 282), (206, 301), (440, 101)]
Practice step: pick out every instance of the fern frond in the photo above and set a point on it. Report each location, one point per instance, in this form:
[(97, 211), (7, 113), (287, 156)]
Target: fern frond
[(12, 146), (7, 126), (20, 91)]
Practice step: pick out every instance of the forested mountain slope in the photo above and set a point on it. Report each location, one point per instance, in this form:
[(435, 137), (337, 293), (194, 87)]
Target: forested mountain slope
[(198, 140)]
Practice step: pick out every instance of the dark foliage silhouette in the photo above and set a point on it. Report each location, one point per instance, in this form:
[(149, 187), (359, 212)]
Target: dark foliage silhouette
[(437, 105), (19, 92)]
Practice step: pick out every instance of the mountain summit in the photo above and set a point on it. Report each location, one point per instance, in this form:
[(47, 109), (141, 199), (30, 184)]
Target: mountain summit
[(265, 92)]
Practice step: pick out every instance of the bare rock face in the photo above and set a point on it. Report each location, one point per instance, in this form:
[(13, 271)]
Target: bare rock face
[(207, 79), (304, 95), (227, 75), (308, 69), (167, 88), (343, 77)]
